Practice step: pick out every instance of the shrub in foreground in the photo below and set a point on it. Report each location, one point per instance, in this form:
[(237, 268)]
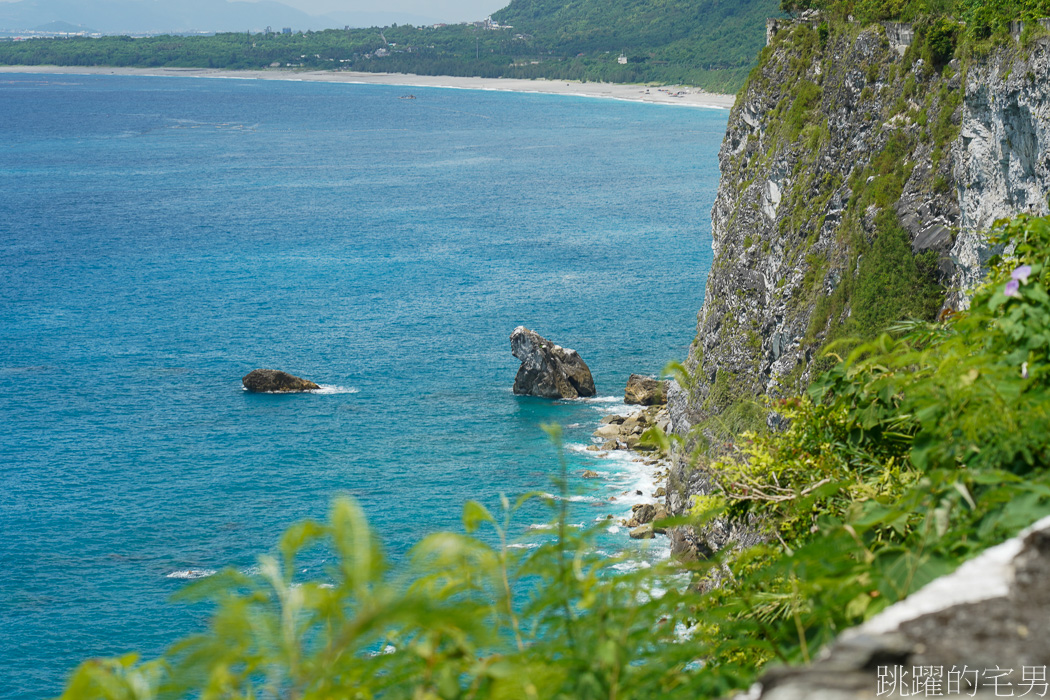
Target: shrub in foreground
[(909, 456)]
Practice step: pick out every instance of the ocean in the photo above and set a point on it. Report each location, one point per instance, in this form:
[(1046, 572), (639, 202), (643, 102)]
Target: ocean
[(162, 237)]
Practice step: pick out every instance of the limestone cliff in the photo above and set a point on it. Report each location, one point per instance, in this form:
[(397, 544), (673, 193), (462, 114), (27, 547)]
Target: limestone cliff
[(856, 175), (1001, 163)]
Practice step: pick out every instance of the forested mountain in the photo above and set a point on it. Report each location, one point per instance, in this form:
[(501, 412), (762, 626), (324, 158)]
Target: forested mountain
[(711, 33), (708, 43)]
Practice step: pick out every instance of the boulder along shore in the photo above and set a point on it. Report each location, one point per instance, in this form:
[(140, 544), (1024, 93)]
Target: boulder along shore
[(624, 433)]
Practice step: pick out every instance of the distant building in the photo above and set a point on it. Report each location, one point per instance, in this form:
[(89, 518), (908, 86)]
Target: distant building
[(622, 60), (487, 23), (286, 30)]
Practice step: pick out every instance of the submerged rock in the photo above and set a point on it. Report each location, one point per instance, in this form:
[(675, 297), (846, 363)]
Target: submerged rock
[(275, 381), (548, 370), (645, 391)]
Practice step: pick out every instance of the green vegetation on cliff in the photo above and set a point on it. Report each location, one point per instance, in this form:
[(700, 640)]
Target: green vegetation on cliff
[(709, 44), (982, 17)]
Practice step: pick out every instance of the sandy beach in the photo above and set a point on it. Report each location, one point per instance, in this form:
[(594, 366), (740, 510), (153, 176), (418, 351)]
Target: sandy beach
[(668, 94)]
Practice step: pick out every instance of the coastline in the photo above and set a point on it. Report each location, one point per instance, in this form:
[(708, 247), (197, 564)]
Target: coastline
[(665, 95), (617, 439)]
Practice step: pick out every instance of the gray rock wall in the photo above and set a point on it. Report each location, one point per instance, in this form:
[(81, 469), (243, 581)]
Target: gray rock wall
[(792, 206), (778, 217), (1002, 156)]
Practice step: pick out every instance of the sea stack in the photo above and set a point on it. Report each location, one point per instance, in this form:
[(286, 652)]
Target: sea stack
[(274, 381), (645, 391), (548, 370)]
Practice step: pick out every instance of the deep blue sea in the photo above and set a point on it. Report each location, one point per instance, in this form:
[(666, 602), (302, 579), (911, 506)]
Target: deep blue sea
[(161, 237)]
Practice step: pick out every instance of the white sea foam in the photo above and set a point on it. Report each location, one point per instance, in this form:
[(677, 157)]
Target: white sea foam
[(191, 574), (631, 565), (578, 498), (333, 389), (549, 527), (388, 649), (601, 403), (577, 447), (324, 390)]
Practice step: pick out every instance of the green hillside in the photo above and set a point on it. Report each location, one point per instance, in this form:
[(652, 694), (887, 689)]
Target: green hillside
[(982, 19), (710, 33), (707, 43)]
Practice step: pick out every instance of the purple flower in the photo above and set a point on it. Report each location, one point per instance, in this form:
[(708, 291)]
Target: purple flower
[(1011, 288), (1021, 273)]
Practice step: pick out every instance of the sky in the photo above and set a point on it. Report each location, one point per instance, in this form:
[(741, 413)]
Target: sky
[(444, 10), (440, 10)]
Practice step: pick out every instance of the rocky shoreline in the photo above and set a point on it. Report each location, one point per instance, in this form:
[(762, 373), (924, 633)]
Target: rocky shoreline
[(627, 433), (550, 371)]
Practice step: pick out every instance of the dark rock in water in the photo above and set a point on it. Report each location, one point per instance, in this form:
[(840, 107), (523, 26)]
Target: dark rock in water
[(645, 391), (275, 381), (548, 370)]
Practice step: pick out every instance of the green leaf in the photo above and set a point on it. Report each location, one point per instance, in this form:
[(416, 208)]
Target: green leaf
[(474, 514), (856, 607), (295, 538), (965, 493)]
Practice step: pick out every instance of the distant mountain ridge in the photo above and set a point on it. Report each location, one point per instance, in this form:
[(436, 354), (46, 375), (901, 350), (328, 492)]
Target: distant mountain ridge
[(60, 27), (155, 17), (711, 44), (711, 33)]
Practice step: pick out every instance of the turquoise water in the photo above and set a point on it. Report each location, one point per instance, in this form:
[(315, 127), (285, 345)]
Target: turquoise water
[(161, 237)]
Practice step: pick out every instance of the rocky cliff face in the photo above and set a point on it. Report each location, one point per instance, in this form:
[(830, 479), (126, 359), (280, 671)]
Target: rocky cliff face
[(856, 176), (1002, 156)]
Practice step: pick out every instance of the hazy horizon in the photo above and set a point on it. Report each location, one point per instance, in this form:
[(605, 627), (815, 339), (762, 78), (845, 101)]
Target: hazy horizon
[(442, 10), (142, 16)]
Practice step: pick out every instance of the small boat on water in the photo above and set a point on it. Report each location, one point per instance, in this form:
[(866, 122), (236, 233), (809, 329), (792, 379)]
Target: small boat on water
[(407, 97)]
